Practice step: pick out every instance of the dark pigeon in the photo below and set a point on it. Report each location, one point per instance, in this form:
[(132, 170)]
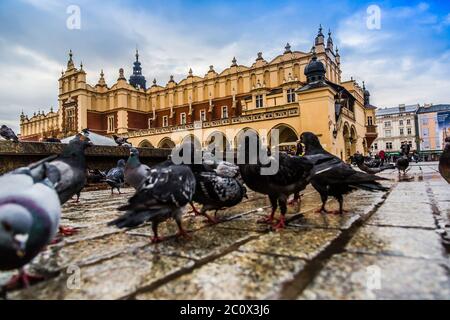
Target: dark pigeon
[(218, 188), (290, 178), (135, 172), (331, 176), (115, 177), (122, 141), (163, 194), (444, 161), (29, 217), (402, 162), (8, 133), (363, 166)]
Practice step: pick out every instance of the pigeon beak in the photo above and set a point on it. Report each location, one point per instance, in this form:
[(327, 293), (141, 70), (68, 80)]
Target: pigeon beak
[(20, 241)]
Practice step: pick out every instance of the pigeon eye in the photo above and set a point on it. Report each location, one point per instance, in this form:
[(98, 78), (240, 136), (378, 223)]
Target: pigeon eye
[(6, 226)]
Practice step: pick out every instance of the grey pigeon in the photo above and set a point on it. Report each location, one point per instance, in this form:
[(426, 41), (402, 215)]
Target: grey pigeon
[(115, 177), (66, 171), (121, 141), (163, 194), (290, 178), (29, 217), (330, 176), (135, 172), (8, 133)]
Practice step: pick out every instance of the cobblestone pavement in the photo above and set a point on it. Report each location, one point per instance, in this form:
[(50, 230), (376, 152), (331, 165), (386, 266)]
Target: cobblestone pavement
[(389, 245)]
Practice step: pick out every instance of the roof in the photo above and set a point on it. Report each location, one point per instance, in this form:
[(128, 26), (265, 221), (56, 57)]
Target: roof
[(434, 108), (96, 139), (395, 110)]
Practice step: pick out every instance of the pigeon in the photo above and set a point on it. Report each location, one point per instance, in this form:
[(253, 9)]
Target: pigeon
[(290, 178), (330, 176), (115, 177), (8, 133), (135, 171), (402, 163), (122, 141), (86, 132), (95, 176), (27, 223), (444, 161), (217, 189), (359, 161), (163, 194), (66, 171)]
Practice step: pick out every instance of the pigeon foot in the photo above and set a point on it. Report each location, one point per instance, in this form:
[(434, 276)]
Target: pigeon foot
[(280, 225), (268, 220), (67, 231), (22, 280), (157, 239)]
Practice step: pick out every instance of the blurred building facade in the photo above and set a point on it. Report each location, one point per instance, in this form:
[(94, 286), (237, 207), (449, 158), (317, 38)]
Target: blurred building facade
[(396, 126), (294, 92)]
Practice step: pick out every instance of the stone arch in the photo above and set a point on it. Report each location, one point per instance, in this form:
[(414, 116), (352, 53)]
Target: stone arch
[(353, 139), (286, 134), (212, 141), (238, 135), (347, 144), (166, 143), (267, 78), (194, 139), (145, 144), (240, 85)]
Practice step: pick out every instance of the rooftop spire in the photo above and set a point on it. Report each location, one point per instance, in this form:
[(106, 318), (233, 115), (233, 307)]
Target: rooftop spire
[(329, 41), (320, 39), (70, 64), (234, 62), (137, 79)]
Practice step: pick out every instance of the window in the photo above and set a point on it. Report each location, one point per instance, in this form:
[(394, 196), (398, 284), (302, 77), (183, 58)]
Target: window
[(409, 131), (165, 121), (425, 121), (425, 132), (375, 146), (224, 112), (290, 95), (408, 122), (400, 122), (202, 115), (401, 131), (388, 145), (387, 124), (259, 101), (387, 133), (369, 121), (183, 118), (70, 118), (111, 124)]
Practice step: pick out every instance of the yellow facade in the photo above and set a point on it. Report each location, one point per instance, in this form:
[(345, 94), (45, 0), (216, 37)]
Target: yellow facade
[(262, 96)]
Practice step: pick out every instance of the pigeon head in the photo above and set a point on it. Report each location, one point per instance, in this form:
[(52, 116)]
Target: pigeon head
[(134, 153), (121, 163), (15, 227), (310, 141)]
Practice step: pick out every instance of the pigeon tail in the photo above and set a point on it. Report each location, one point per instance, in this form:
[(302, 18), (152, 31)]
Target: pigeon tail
[(133, 219)]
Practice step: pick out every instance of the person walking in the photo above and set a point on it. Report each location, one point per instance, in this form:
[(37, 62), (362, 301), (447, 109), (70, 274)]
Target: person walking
[(382, 156)]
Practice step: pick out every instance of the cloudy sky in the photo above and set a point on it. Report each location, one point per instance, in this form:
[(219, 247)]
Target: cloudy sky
[(406, 60)]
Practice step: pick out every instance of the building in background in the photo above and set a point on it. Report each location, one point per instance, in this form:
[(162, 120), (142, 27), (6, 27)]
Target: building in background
[(294, 92), (433, 125), (396, 126)]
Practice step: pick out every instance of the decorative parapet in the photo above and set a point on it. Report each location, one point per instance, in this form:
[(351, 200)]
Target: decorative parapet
[(291, 112)]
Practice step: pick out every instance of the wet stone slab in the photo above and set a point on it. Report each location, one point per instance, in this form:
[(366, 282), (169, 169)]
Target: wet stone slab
[(115, 278), (237, 275), (361, 276), (416, 243), (292, 242), (398, 216)]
